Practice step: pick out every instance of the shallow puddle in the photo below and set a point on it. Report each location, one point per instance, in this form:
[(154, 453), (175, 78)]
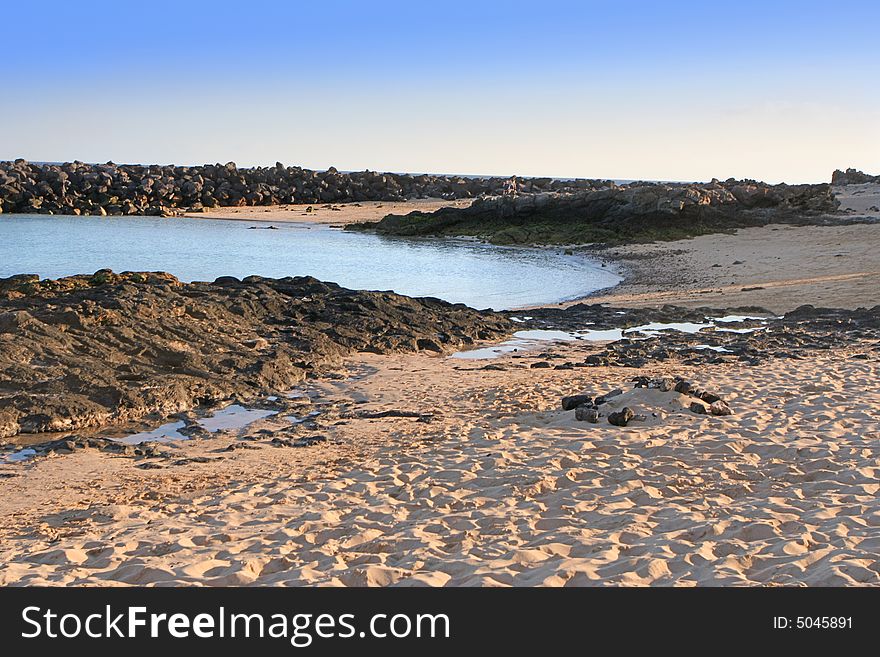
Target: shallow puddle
[(538, 338), (165, 433), (234, 416), (19, 456)]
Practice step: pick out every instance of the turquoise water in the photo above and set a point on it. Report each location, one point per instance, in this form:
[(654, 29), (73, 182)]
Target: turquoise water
[(459, 271)]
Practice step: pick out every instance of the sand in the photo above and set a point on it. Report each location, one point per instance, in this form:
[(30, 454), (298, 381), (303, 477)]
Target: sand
[(333, 214), (777, 267), (503, 489)]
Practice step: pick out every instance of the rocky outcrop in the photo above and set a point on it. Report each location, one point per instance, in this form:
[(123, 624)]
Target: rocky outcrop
[(94, 350), (614, 214), (852, 177), (795, 335), (110, 189)]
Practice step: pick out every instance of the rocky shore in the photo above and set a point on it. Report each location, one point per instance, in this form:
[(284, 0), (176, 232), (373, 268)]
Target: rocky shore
[(636, 212), (76, 188), (93, 351), (90, 351)]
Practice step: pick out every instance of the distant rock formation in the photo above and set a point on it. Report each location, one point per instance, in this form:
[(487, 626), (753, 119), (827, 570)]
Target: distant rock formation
[(633, 212), (110, 189), (852, 177)]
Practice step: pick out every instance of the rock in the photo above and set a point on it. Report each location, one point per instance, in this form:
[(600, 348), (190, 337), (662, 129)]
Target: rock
[(720, 407), (541, 364), (697, 407), (607, 212), (601, 399), (684, 387), (708, 397), (586, 414), (177, 346), (568, 403), (622, 417), (852, 177), (666, 384)]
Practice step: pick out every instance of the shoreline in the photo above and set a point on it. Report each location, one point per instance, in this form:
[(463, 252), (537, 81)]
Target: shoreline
[(684, 272), (420, 469), (762, 267)]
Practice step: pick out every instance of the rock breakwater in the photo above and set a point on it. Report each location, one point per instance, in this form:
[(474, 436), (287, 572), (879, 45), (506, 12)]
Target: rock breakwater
[(115, 189)]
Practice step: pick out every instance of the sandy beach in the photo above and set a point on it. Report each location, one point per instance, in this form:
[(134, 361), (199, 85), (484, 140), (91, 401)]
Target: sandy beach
[(502, 489), (331, 214), (774, 267), (476, 477)]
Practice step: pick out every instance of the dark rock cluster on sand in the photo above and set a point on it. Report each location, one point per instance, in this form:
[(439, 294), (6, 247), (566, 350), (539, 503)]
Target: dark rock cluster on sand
[(115, 189), (633, 212), (588, 409), (92, 350)]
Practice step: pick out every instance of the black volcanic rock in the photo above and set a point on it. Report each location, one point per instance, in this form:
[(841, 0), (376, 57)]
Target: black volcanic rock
[(91, 350)]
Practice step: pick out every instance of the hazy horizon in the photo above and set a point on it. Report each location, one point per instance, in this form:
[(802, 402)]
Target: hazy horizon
[(571, 90)]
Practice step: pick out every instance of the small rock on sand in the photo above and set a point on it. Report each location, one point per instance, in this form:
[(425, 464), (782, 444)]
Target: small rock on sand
[(622, 417), (586, 414), (698, 408), (720, 407), (601, 399), (684, 387), (568, 403)]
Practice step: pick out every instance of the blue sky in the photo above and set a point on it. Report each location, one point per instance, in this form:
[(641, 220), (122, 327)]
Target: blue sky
[(680, 90)]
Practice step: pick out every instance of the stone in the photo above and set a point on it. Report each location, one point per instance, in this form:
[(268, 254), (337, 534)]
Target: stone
[(568, 403), (586, 414), (666, 384), (622, 417), (684, 387), (698, 408), (601, 399), (708, 397), (720, 407), (185, 345)]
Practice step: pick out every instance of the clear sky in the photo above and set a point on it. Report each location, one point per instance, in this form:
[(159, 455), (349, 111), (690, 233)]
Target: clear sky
[(779, 91)]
